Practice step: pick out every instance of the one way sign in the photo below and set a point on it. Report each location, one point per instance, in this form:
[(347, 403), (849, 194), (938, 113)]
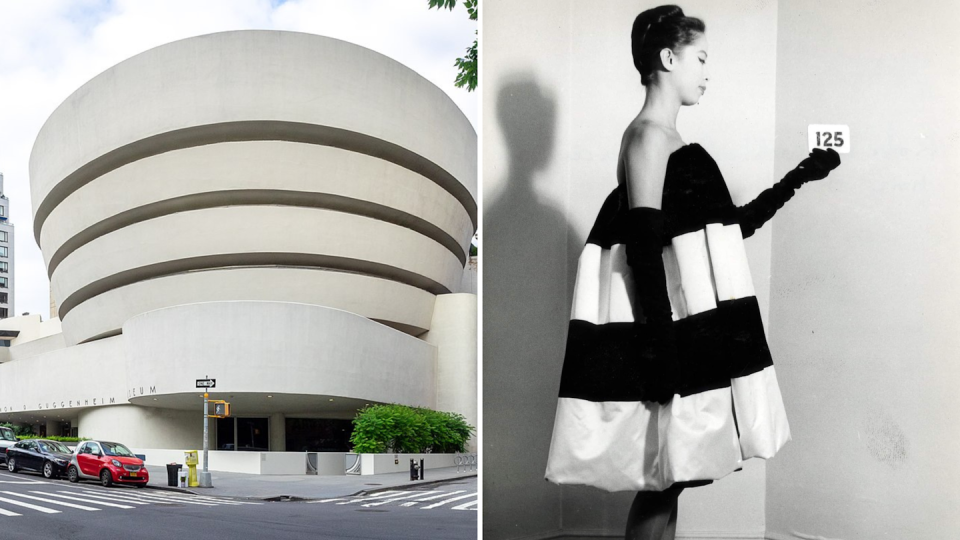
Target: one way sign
[(206, 383)]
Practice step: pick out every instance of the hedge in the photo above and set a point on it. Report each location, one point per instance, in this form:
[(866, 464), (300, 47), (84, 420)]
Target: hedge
[(54, 438), (381, 429)]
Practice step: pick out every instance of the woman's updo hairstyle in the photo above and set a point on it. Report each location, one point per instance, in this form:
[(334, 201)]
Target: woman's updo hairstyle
[(663, 27)]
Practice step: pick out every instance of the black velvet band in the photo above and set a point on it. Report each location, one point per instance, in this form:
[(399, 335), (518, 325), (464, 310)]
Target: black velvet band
[(607, 362)]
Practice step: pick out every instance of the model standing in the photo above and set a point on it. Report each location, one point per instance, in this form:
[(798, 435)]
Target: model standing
[(667, 380)]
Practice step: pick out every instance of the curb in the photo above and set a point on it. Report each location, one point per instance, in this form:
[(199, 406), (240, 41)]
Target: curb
[(171, 488), (294, 498), (204, 492), (414, 484)]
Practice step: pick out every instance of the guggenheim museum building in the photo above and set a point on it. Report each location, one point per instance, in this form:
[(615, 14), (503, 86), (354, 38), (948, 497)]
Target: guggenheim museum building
[(288, 214)]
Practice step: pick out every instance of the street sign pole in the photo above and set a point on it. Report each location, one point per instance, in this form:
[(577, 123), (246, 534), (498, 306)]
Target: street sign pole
[(205, 477)]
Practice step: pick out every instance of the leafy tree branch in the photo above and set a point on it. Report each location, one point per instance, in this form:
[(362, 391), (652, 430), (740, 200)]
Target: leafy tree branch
[(466, 65)]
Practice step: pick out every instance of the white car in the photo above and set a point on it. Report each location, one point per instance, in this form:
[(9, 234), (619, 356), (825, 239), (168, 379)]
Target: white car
[(7, 439)]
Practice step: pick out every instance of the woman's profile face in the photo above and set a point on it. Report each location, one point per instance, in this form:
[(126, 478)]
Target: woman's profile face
[(690, 75)]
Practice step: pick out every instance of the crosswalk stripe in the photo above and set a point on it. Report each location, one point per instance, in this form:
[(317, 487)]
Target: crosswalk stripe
[(378, 503), (467, 505), (95, 496), (219, 500), (443, 502), (91, 501), (198, 499), (327, 500), (52, 501), (434, 497), (441, 495), (376, 496), (43, 509), (8, 513), (20, 482), (154, 498)]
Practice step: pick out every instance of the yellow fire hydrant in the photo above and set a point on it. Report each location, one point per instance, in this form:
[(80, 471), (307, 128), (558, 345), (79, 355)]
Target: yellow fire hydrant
[(191, 459)]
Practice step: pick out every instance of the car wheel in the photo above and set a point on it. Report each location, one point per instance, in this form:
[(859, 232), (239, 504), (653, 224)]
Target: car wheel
[(49, 471), (12, 464), (73, 475), (105, 478)]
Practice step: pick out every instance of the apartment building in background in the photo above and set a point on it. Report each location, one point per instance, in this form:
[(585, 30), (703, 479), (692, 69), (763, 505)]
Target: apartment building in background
[(6, 256)]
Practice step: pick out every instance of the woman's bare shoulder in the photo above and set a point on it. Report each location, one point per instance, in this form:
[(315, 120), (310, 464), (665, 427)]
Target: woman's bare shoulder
[(645, 150), (641, 134)]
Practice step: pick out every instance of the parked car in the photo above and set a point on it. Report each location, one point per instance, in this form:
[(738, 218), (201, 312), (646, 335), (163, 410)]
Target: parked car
[(108, 462), (49, 457), (7, 439)]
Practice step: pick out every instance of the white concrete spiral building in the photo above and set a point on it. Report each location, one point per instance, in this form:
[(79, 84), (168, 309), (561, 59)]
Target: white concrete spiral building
[(287, 213)]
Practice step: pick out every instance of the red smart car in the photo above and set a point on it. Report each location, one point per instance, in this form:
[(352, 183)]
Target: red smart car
[(109, 462)]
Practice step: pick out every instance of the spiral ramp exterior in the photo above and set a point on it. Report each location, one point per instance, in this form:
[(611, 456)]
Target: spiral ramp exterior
[(289, 211)]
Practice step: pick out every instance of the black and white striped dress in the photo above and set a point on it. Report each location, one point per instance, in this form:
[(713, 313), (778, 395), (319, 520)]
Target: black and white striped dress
[(729, 406)]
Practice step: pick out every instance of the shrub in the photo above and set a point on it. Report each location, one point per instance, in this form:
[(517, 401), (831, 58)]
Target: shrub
[(380, 429), (54, 438), (19, 431)]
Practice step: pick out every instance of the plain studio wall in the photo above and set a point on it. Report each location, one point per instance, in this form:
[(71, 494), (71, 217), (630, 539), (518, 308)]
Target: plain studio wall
[(864, 296), (559, 88)]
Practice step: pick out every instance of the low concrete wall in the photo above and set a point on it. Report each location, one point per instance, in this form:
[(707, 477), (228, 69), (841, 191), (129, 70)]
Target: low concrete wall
[(293, 463), (272, 463), (393, 463), (279, 463)]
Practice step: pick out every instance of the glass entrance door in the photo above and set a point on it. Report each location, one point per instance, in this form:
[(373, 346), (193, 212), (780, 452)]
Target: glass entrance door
[(244, 434), (253, 434)]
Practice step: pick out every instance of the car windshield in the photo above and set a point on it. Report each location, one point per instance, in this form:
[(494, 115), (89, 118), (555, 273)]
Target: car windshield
[(116, 449), (53, 446), (7, 435)]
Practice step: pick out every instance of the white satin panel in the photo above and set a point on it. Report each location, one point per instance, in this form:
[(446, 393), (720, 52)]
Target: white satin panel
[(701, 267), (760, 414), (696, 276), (728, 257), (638, 446)]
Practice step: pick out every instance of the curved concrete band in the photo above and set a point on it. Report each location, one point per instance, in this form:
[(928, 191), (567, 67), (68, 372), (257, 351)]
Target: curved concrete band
[(178, 174), (252, 85), (296, 348), (247, 173), (394, 304)]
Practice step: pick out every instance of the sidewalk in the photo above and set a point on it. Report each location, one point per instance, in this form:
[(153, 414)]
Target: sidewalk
[(256, 486)]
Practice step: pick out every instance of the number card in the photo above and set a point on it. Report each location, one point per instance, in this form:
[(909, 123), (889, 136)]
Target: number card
[(829, 136)]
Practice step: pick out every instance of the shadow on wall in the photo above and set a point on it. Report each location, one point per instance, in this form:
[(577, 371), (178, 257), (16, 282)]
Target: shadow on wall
[(530, 254)]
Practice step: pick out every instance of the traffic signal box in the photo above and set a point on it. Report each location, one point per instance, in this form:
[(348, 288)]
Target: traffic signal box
[(221, 409)]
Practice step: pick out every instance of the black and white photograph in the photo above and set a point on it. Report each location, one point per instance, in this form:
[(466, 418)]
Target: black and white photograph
[(718, 273)]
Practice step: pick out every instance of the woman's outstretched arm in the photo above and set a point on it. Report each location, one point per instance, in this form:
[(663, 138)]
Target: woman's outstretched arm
[(816, 166)]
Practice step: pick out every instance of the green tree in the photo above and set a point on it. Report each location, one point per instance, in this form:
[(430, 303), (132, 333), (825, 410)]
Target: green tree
[(467, 65), (380, 429), (19, 431)]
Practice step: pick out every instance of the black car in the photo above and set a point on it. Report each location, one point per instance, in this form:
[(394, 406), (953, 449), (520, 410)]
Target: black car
[(49, 457)]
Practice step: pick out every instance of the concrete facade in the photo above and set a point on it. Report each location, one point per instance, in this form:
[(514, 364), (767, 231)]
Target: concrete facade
[(286, 213)]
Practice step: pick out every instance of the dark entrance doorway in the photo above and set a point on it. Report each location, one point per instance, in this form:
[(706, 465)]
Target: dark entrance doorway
[(244, 434), (318, 435)]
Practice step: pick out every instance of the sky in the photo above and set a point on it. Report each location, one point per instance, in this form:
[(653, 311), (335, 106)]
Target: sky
[(49, 48)]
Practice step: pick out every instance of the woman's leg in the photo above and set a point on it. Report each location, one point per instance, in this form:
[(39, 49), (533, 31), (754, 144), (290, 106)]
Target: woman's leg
[(670, 533), (653, 515)]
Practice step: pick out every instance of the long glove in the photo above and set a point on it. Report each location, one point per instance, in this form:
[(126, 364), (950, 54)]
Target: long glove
[(816, 166), (656, 340)]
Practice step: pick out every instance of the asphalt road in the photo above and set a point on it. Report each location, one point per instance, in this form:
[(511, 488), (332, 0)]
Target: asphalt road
[(34, 508)]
